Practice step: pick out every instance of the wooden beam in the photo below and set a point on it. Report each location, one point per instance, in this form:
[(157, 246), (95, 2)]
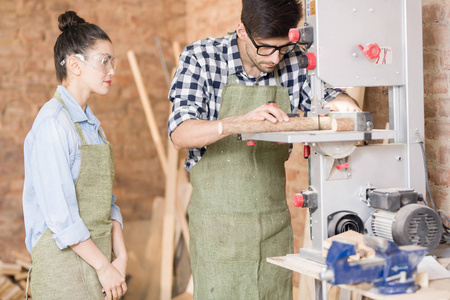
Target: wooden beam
[(169, 226), (148, 110)]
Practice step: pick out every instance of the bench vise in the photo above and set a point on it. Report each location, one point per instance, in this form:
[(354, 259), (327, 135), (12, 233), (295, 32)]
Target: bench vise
[(392, 270)]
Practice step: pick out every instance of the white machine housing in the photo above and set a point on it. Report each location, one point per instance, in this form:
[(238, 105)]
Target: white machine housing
[(340, 26)]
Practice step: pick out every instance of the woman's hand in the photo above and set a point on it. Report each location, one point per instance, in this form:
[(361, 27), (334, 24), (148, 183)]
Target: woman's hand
[(120, 263), (112, 281)]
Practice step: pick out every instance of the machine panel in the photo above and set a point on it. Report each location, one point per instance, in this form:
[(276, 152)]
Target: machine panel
[(340, 61)]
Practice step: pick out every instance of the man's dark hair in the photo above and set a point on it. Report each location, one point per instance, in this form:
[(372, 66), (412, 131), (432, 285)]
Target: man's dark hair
[(77, 37), (270, 18)]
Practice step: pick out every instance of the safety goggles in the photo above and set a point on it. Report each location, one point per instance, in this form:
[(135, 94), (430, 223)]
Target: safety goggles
[(100, 61)]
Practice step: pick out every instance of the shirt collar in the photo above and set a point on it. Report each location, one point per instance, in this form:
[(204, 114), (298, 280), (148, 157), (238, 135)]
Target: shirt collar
[(234, 59), (75, 110)]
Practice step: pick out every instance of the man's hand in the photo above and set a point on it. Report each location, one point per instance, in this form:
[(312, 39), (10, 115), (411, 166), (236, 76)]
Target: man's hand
[(266, 112), (343, 103)]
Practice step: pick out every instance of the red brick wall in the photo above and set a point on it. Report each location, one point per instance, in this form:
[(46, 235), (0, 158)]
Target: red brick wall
[(436, 45), (28, 31)]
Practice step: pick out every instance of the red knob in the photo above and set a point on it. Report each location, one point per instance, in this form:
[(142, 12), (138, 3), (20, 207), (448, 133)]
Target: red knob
[(251, 143), (298, 200), (306, 151), (294, 35), (371, 51), (342, 166), (311, 61)]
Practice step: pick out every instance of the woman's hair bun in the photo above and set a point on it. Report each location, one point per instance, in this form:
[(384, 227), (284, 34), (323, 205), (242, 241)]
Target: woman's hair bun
[(69, 19)]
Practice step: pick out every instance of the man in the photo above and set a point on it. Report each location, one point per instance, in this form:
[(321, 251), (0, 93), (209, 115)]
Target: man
[(238, 214)]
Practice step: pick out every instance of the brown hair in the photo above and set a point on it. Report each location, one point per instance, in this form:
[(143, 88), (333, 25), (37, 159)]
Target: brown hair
[(270, 18), (77, 37)]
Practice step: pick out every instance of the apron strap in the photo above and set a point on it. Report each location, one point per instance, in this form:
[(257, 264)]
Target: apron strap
[(277, 77), (232, 78), (77, 125), (28, 283)]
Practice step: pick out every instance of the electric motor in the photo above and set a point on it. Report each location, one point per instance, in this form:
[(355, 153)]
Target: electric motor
[(413, 224)]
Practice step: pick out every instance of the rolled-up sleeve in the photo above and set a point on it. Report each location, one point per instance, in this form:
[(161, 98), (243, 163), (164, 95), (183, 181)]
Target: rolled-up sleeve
[(187, 92), (54, 186), (115, 212)]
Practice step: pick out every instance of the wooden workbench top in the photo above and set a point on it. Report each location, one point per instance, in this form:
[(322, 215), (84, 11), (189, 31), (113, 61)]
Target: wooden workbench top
[(437, 289)]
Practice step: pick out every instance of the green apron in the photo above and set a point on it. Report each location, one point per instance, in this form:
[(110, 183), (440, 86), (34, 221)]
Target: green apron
[(62, 274), (238, 214)]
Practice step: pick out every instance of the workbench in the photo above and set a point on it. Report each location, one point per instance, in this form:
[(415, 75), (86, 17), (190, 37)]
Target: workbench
[(436, 290)]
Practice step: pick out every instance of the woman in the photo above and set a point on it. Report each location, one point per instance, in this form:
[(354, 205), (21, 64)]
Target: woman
[(72, 224)]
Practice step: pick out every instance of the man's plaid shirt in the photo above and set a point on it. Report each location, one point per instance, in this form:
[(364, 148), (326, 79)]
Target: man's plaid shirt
[(203, 71)]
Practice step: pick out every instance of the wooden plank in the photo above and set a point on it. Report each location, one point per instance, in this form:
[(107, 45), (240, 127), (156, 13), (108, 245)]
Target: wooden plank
[(5, 285), (21, 276), (306, 284), (184, 296), (148, 110), (23, 285), (24, 264), (169, 226), (357, 93), (9, 269), (13, 293), (437, 289), (153, 252), (22, 256)]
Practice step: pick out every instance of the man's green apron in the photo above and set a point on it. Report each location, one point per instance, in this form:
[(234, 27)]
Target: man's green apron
[(238, 214), (62, 274)]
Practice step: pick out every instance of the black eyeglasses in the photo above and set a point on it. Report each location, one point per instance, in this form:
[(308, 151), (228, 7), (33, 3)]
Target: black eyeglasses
[(269, 50)]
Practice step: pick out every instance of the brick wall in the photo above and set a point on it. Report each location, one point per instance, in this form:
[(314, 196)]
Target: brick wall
[(28, 31), (436, 42)]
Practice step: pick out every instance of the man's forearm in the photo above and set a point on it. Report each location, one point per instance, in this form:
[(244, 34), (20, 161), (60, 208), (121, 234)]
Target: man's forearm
[(196, 134), (201, 133)]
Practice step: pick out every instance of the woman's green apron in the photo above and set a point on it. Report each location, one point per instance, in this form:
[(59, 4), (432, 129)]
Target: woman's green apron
[(238, 214), (62, 274)]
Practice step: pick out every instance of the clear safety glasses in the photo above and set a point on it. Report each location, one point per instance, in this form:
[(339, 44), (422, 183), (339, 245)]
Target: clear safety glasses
[(100, 61)]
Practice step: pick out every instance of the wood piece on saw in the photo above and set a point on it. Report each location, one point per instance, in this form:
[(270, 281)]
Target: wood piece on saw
[(228, 126), (342, 124)]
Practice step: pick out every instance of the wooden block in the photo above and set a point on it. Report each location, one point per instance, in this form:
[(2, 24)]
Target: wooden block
[(169, 226), (5, 285), (422, 279), (184, 296), (24, 264), (23, 285), (334, 292), (363, 251), (13, 293), (22, 256), (9, 269), (21, 276)]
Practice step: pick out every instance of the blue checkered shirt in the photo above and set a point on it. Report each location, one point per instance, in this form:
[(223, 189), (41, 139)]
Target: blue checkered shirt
[(203, 71)]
